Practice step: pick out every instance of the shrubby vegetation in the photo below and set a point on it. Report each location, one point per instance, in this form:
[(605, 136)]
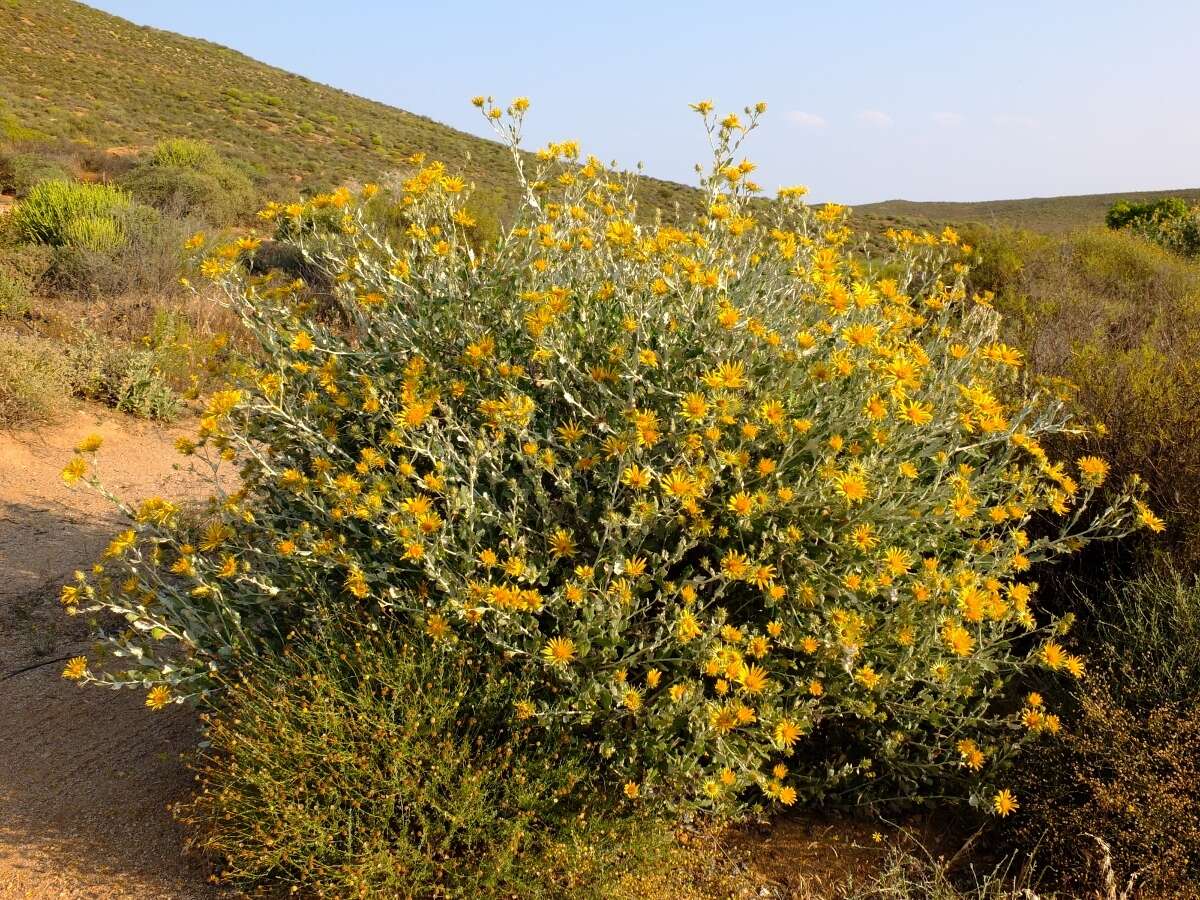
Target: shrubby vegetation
[(1119, 320), (368, 762), (189, 176), (753, 525), (1171, 222)]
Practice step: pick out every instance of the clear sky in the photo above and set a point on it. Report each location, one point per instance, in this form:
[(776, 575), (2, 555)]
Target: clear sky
[(966, 100)]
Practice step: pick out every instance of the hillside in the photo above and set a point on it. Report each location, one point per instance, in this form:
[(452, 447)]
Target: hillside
[(70, 73), (1047, 214), (74, 76)]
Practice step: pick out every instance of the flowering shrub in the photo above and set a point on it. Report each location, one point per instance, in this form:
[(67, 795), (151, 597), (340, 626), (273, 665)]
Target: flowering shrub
[(752, 520)]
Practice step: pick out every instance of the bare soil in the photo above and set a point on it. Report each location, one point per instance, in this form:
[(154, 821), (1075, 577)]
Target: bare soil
[(85, 776)]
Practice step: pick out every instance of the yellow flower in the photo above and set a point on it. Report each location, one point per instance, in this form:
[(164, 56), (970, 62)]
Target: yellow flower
[(636, 477), (754, 679), (1005, 803), (89, 444), (562, 544), (159, 697), (1093, 469), (77, 668), (853, 488), (741, 504), (559, 651), (787, 796), (74, 470), (632, 791), (787, 732)]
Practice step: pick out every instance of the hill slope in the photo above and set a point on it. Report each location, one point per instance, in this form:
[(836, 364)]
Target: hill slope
[(1050, 214), (74, 74)]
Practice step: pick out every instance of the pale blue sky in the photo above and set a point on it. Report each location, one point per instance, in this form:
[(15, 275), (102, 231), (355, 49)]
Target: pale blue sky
[(868, 101)]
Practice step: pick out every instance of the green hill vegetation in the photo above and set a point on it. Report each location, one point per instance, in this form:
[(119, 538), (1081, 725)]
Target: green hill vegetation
[(77, 79), (1046, 214), (91, 89)]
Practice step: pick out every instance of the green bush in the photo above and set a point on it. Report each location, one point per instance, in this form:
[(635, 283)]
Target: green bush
[(46, 213), (751, 523), (94, 234), (366, 763), (1145, 634), (184, 153), (35, 379), (189, 178), (1171, 222), (14, 294), (148, 261)]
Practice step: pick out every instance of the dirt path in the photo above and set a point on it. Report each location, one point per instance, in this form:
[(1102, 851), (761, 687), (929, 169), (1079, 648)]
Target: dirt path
[(85, 775)]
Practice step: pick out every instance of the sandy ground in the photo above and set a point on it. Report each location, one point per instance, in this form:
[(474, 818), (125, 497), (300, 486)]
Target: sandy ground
[(85, 775)]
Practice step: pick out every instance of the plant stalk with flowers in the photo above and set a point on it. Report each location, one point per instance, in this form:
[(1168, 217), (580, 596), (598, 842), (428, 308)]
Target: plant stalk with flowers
[(755, 521)]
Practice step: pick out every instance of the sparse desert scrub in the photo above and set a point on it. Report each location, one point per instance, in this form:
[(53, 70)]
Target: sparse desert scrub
[(748, 522), (1122, 788), (34, 380)]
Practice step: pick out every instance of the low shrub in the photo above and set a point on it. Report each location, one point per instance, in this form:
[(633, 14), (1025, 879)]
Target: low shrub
[(46, 214), (1170, 222), (147, 261), (126, 378), (20, 172), (34, 380), (94, 234), (189, 178), (1129, 778), (752, 523), (365, 762), (1119, 319), (915, 874), (14, 294)]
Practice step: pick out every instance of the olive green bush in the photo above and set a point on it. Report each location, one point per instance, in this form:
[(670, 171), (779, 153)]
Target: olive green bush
[(21, 171), (746, 520), (129, 379), (188, 177), (367, 762), (1172, 222)]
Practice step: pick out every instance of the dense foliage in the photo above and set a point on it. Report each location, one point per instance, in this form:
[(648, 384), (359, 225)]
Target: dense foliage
[(1171, 222), (750, 522)]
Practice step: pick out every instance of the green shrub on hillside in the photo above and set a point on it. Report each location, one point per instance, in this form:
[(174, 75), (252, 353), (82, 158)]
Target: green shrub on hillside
[(46, 214), (14, 294), (126, 378), (369, 763), (750, 522), (1171, 222), (189, 178), (94, 234), (184, 153)]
